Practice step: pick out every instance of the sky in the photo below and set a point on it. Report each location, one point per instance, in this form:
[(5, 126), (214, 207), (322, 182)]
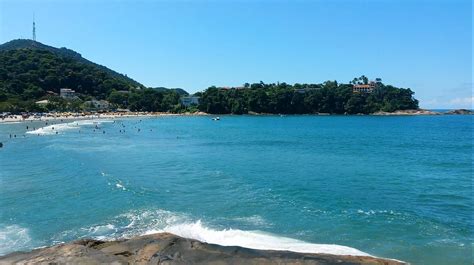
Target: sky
[(422, 45)]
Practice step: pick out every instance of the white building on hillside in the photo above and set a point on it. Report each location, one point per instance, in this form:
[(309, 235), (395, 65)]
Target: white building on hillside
[(190, 100), (97, 104), (67, 93)]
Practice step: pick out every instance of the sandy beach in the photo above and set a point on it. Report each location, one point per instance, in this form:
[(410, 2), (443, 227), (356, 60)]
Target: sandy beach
[(67, 116), (62, 117)]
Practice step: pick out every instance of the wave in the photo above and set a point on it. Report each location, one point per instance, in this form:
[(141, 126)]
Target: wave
[(255, 240), (135, 223), (62, 127), (13, 238), (255, 220)]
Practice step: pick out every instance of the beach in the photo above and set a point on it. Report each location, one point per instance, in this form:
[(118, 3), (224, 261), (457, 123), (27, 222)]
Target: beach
[(67, 116)]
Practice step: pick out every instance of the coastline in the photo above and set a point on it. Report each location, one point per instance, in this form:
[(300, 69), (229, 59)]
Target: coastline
[(168, 248), (67, 116)]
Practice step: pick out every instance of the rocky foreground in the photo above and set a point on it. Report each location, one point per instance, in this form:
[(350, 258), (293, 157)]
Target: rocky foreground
[(165, 248)]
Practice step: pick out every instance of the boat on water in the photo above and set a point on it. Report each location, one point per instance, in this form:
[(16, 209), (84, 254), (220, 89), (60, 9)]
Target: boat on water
[(216, 118)]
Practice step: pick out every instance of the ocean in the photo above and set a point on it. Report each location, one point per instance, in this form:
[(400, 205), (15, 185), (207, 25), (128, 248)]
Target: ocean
[(395, 187)]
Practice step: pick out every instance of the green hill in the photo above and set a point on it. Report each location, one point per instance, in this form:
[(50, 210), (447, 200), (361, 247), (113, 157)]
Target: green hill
[(30, 71), (64, 52)]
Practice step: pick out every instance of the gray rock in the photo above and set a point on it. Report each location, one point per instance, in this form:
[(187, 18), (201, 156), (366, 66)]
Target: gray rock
[(165, 248), (459, 112)]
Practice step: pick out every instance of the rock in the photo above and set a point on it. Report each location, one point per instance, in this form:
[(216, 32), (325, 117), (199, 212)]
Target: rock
[(460, 112), (411, 112), (165, 248)]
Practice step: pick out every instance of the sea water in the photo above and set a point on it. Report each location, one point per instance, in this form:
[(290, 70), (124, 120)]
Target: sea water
[(396, 187)]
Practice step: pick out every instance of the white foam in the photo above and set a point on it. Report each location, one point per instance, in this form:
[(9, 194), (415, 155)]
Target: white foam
[(254, 239), (100, 231), (136, 223), (120, 186), (62, 127), (13, 238)]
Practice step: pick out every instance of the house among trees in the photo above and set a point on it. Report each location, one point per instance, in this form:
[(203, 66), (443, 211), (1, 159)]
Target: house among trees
[(190, 100), (365, 86), (97, 105), (67, 93)]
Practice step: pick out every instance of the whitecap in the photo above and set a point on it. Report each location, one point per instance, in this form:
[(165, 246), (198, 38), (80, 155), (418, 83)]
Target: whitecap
[(62, 127), (135, 223), (255, 220), (120, 186), (13, 238), (254, 239)]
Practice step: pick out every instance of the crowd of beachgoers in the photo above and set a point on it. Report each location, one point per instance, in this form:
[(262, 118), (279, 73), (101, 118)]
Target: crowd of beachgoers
[(68, 116)]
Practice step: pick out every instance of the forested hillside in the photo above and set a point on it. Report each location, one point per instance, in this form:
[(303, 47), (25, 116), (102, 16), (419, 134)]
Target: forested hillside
[(30, 71), (328, 97)]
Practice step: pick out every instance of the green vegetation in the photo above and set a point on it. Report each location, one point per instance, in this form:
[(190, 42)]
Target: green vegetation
[(31, 71), (329, 97)]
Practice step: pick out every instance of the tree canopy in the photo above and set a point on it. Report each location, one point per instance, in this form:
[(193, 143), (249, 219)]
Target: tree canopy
[(31, 71), (328, 97)]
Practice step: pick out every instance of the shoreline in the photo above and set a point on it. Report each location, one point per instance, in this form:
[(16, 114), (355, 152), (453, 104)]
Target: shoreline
[(67, 116), (172, 249)]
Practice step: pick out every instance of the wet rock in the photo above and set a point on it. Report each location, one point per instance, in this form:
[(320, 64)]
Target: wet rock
[(460, 112), (165, 248)]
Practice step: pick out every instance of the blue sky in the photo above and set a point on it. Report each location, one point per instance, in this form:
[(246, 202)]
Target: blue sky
[(423, 45)]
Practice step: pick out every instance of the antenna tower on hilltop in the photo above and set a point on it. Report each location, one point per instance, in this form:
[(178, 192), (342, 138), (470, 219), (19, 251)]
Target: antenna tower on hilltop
[(34, 28)]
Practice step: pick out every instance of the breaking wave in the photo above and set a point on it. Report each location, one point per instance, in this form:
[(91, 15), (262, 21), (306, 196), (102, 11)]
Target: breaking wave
[(13, 238), (136, 223), (63, 127), (255, 240)]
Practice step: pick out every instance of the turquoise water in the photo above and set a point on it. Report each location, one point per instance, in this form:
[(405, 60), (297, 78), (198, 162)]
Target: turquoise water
[(397, 187)]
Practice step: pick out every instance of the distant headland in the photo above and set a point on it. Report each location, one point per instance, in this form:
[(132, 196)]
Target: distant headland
[(39, 78)]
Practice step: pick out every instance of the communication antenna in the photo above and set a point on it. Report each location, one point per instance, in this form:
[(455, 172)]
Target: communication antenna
[(34, 28)]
